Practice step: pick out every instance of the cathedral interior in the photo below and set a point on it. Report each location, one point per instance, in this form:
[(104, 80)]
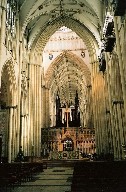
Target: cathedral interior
[(62, 80)]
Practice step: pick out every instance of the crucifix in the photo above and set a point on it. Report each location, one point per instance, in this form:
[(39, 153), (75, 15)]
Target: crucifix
[(67, 111), (66, 114)]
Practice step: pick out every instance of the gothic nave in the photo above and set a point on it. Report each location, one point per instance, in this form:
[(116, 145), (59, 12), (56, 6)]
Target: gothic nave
[(62, 80)]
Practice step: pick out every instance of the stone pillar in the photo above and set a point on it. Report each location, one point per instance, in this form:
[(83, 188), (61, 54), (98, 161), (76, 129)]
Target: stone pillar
[(110, 107), (2, 31), (120, 57), (25, 136), (35, 109), (115, 105), (14, 129), (29, 114), (94, 70), (10, 135), (47, 107), (19, 61), (39, 110), (32, 105), (16, 133), (30, 119)]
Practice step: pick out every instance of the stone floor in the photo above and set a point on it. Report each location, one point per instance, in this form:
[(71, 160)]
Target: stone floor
[(53, 179)]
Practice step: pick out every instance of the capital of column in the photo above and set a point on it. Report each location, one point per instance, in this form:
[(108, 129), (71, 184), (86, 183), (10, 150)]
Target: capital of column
[(3, 8), (9, 107), (118, 102), (24, 115)]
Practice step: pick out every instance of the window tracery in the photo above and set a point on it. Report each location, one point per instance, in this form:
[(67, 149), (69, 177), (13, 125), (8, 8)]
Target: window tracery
[(11, 11), (11, 16)]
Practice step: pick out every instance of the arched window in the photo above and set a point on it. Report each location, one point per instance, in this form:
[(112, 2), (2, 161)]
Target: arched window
[(11, 17)]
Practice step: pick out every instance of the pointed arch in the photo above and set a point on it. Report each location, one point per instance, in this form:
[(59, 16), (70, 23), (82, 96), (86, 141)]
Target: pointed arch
[(39, 41), (77, 63), (8, 85)]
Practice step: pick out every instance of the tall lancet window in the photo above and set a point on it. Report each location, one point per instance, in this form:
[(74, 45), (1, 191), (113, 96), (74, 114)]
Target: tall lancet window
[(11, 17)]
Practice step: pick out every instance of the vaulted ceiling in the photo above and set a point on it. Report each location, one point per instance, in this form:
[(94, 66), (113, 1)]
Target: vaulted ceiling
[(41, 18), (35, 15)]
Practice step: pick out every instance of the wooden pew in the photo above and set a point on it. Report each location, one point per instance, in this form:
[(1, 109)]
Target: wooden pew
[(12, 174), (99, 176)]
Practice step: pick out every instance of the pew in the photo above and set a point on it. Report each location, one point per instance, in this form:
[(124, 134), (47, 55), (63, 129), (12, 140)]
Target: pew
[(99, 176), (12, 174)]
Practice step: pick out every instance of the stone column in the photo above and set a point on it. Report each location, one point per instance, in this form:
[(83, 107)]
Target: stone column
[(10, 135), (120, 57), (25, 136), (14, 127), (94, 94), (39, 110), (120, 129), (16, 134), (109, 87), (27, 133), (29, 114), (19, 61), (35, 111), (47, 107), (2, 31), (10, 132), (31, 105), (29, 110)]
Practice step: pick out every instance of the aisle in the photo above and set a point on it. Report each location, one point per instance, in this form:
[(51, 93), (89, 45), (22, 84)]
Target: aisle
[(51, 180)]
